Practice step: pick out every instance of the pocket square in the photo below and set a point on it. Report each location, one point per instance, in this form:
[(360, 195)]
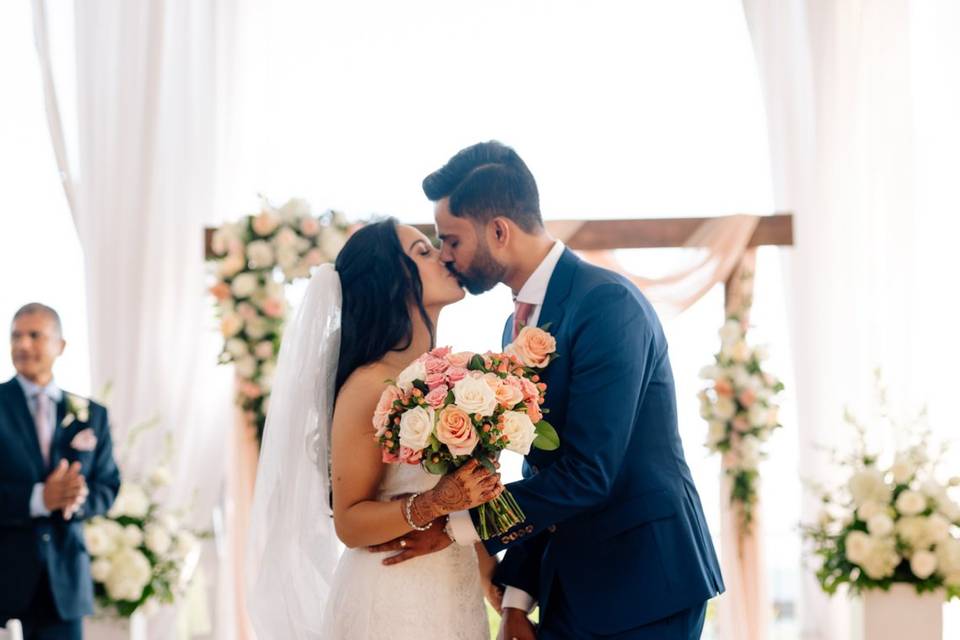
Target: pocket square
[(84, 440)]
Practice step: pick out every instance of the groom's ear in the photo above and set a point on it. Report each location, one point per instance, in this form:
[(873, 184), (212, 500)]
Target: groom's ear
[(501, 230)]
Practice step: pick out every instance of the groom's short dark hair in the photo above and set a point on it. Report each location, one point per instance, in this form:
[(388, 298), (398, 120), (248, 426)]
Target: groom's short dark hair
[(486, 180)]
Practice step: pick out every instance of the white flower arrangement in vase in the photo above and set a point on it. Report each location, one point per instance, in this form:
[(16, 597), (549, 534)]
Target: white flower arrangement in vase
[(253, 259), (739, 405), (142, 555), (893, 520)]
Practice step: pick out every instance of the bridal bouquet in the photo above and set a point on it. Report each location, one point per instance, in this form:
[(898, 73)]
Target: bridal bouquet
[(142, 555), (446, 408), (740, 407), (892, 521)]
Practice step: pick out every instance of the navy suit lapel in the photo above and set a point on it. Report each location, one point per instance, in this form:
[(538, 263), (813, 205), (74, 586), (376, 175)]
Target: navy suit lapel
[(58, 432), (557, 292), (23, 421)]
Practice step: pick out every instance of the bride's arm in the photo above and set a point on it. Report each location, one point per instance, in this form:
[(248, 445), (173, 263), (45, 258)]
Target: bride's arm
[(488, 565), (357, 470)]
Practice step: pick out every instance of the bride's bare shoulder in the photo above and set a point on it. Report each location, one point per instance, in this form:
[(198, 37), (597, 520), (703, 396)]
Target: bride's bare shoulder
[(365, 385)]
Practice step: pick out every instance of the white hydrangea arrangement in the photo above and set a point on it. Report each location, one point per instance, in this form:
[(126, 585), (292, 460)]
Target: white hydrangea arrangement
[(253, 258), (739, 405), (893, 521), (141, 553)]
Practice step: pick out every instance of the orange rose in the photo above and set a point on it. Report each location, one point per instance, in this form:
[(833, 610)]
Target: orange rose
[(534, 347)]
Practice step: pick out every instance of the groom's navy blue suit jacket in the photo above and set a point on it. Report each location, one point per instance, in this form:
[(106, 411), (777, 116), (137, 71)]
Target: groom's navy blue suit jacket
[(613, 514), (29, 546)]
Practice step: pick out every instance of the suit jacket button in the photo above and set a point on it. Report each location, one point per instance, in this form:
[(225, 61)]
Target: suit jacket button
[(552, 528)]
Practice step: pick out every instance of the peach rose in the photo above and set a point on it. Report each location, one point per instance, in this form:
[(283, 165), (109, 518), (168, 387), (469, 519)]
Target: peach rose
[(309, 226), (273, 307), (741, 423), (265, 223), (461, 359), (723, 388), (530, 391), (493, 381), (390, 458), (509, 395), (533, 411), (455, 429), (534, 347), (220, 291), (230, 325), (381, 415), (315, 257), (437, 395)]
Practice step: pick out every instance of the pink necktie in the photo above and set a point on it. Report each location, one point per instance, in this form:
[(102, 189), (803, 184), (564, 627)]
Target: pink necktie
[(520, 316), (43, 426)]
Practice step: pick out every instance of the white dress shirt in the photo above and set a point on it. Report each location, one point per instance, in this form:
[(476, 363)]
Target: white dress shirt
[(52, 395), (533, 291)]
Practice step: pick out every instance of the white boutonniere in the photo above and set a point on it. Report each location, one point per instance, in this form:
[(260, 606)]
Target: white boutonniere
[(78, 410)]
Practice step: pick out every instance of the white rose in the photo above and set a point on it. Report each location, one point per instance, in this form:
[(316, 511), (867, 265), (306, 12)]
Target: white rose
[(857, 546), (132, 536), (758, 415), (741, 378), (902, 470), (749, 453), (244, 285), (950, 510), (236, 347), (923, 564), (98, 540), (880, 524), (869, 509), (294, 208), (231, 265), (915, 532), (911, 503), (414, 371), (245, 367), (730, 332), (520, 431), (740, 352), (416, 426), (129, 575), (264, 350), (285, 240), (717, 433), (868, 485), (230, 324), (131, 501), (948, 556), (724, 408), (100, 569), (260, 254), (882, 558), (161, 477), (938, 528), (474, 395), (169, 522), (157, 539), (257, 328)]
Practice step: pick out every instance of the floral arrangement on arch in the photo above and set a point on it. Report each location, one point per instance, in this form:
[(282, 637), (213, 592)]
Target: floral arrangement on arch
[(142, 554), (893, 520), (254, 258), (739, 405)]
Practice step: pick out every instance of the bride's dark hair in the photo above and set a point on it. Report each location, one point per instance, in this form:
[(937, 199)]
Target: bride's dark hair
[(379, 281)]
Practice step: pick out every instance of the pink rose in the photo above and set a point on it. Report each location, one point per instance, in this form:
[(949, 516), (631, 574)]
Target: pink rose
[(410, 456), (309, 226), (314, 257), (247, 311), (440, 352), (534, 347), (437, 396), (264, 223), (747, 398), (530, 391), (436, 365), (434, 380), (273, 307), (390, 458), (461, 359), (455, 429), (381, 415), (456, 374), (250, 389)]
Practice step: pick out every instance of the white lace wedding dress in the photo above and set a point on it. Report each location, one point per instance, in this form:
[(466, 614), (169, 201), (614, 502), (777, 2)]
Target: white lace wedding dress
[(438, 596)]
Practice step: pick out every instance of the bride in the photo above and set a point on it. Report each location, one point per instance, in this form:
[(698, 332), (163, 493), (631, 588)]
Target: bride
[(361, 323)]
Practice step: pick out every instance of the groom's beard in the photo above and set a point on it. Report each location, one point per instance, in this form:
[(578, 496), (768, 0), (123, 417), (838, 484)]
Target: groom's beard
[(483, 273)]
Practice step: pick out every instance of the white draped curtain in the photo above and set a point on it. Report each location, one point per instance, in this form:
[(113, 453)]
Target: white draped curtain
[(144, 171), (864, 151)]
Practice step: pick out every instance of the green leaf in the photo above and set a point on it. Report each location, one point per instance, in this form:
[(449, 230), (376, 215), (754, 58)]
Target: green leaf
[(487, 464), (476, 363), (547, 437), (436, 468)]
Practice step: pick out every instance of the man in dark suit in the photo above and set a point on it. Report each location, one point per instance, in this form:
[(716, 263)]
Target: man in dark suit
[(614, 543), (56, 470)]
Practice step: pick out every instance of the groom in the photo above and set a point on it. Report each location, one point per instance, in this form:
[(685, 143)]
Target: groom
[(615, 543)]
